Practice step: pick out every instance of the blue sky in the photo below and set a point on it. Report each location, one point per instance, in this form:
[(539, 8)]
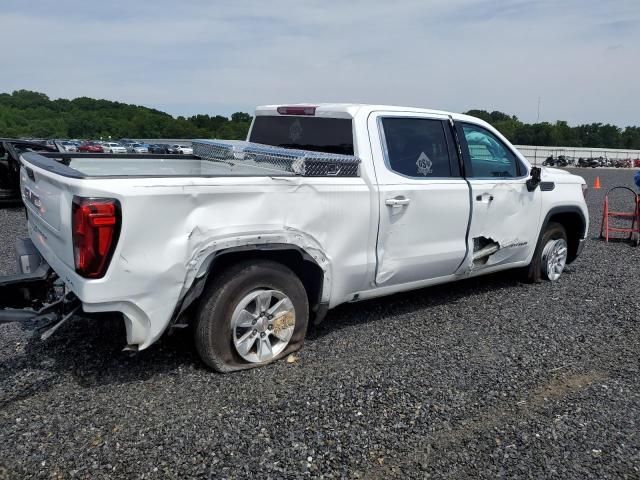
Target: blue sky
[(582, 57)]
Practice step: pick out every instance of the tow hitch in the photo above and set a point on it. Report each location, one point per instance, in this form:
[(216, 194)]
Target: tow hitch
[(35, 294)]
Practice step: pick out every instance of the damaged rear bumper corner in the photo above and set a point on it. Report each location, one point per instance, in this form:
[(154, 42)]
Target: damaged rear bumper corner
[(32, 286)]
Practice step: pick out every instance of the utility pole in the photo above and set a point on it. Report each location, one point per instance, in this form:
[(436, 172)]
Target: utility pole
[(538, 119)]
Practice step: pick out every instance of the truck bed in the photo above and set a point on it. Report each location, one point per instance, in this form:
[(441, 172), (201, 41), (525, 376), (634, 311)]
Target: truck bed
[(210, 159), (142, 165), (161, 166)]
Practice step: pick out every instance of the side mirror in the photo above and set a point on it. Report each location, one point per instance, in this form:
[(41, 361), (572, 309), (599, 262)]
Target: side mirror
[(534, 181)]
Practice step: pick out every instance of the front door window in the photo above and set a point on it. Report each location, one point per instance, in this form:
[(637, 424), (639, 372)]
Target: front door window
[(490, 158)]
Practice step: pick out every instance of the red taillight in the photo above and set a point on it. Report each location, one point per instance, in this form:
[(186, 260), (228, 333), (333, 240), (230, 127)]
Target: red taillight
[(96, 227), (297, 110)]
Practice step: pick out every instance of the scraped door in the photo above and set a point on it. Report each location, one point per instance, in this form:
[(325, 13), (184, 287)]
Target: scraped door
[(505, 215), (424, 201)]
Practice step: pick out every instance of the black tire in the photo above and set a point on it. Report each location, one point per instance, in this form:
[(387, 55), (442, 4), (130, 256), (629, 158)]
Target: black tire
[(213, 332), (536, 272)]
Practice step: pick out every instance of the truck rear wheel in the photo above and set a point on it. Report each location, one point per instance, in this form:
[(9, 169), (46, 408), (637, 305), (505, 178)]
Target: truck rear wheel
[(254, 313), (550, 256)]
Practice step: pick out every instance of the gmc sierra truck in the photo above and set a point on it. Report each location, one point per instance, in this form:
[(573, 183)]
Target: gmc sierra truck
[(249, 242)]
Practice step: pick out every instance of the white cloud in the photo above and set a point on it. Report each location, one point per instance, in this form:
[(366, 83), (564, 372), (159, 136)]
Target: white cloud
[(218, 57)]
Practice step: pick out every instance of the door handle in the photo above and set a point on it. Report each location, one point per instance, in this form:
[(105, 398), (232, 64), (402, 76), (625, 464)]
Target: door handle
[(392, 202), (485, 197)]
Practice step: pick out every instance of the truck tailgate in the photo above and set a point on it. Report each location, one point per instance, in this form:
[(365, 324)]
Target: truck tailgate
[(48, 201)]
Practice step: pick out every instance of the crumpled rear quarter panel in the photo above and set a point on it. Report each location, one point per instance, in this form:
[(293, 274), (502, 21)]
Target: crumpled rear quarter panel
[(171, 226)]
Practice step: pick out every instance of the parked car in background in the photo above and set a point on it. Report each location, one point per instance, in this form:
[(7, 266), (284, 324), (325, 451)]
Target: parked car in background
[(112, 147), (183, 149), (90, 147), (160, 148), (137, 148), (37, 140), (68, 146), (10, 151)]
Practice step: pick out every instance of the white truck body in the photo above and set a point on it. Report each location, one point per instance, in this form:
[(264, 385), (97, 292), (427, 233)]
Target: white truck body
[(374, 234)]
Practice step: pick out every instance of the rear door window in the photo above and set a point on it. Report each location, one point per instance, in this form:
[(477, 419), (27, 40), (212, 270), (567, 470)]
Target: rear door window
[(418, 148), (329, 135)]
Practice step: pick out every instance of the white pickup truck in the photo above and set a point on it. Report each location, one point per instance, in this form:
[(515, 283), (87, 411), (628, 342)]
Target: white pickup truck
[(248, 242)]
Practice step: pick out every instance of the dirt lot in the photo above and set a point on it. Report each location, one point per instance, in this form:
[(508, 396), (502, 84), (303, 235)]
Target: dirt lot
[(484, 378)]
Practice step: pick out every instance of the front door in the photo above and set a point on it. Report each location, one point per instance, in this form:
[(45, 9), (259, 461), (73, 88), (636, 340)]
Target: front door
[(505, 214), (424, 201)]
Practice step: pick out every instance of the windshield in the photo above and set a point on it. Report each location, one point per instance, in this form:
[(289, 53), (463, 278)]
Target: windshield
[(329, 135)]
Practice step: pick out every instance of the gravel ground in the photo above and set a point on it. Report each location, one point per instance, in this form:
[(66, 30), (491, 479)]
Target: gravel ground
[(484, 378)]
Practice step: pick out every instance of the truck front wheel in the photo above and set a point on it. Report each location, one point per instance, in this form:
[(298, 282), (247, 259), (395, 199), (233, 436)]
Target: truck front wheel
[(550, 257), (252, 314)]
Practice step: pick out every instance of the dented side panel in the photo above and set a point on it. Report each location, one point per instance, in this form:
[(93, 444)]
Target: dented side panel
[(171, 226), (504, 224)]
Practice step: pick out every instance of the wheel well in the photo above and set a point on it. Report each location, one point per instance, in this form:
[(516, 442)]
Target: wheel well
[(574, 227), (309, 273)]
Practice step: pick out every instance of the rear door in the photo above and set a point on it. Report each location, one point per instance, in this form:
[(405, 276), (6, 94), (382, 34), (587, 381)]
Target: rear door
[(505, 217), (424, 201)]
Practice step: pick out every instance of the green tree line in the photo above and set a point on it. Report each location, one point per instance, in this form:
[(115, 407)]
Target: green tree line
[(30, 114), (33, 115), (593, 135)]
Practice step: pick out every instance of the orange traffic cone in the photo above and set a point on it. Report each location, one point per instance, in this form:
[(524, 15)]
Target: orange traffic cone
[(596, 184)]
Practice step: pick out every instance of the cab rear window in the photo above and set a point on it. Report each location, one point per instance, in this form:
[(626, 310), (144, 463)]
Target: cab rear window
[(329, 135)]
